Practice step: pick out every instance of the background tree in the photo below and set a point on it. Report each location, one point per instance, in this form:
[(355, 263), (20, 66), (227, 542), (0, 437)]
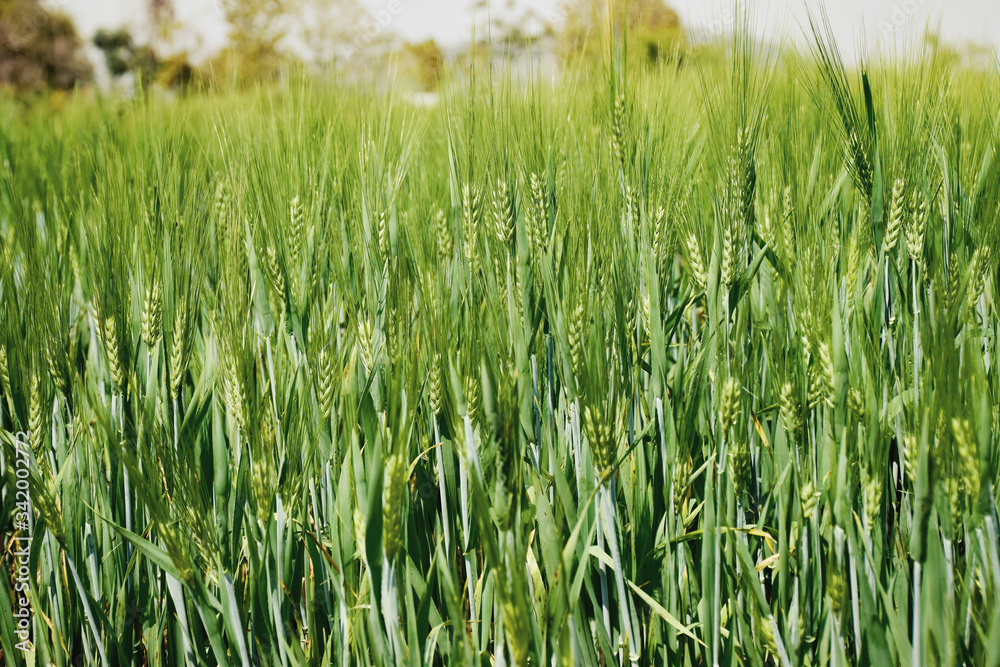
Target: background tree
[(122, 55), (654, 28), (264, 33), (429, 63), (325, 28), (177, 72), (256, 28), (162, 19), (39, 48)]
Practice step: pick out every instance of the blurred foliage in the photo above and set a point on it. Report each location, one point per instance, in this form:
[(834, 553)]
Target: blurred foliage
[(654, 30), (256, 27), (39, 48), (177, 72), (429, 63), (161, 15), (122, 55)]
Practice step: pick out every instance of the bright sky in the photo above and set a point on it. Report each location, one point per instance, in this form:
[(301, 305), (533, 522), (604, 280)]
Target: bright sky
[(882, 22)]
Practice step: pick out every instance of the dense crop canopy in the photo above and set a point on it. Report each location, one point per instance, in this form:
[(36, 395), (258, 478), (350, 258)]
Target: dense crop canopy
[(687, 366)]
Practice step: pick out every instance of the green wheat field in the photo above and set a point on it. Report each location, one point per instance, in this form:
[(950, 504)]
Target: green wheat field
[(687, 365)]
